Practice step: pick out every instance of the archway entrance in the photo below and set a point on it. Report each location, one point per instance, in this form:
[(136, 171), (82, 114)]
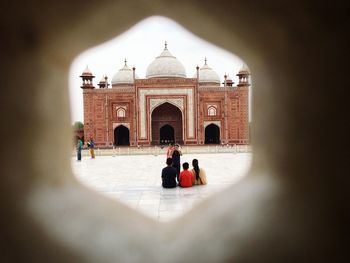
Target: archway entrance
[(166, 134), (166, 124), (121, 135), (212, 134)]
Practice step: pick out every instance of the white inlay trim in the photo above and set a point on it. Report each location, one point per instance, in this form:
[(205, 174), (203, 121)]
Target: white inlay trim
[(211, 111), (121, 112), (218, 123), (156, 102), (126, 124), (190, 107)]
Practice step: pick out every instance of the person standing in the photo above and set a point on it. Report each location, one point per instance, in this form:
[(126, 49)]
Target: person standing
[(198, 174), (79, 147), (91, 146), (176, 160), (169, 175), (169, 152), (185, 178)]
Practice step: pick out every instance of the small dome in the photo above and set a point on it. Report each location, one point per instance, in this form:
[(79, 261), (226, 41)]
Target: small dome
[(244, 70), (103, 82), (87, 72), (166, 66), (103, 79), (207, 75), (124, 76)]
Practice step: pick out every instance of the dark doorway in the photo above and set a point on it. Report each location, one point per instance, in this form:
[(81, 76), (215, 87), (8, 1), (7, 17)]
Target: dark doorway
[(166, 124), (166, 134), (121, 136), (212, 134)]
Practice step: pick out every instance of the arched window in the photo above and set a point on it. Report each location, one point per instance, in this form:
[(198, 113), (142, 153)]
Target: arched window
[(120, 112), (211, 111)]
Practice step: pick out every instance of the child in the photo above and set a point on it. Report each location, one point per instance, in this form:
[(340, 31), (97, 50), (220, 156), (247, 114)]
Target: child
[(185, 178), (91, 145)]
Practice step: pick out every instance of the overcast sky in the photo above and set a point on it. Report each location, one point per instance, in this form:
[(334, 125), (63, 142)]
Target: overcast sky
[(140, 45)]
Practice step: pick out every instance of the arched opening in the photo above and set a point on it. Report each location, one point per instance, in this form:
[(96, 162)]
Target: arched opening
[(166, 124), (121, 112), (166, 134), (121, 136), (211, 111), (212, 134)]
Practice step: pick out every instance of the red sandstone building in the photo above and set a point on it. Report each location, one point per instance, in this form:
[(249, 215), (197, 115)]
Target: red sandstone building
[(166, 106)]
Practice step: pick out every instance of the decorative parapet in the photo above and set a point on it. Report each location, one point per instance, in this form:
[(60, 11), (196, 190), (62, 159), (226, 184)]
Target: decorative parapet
[(165, 81), (113, 90)]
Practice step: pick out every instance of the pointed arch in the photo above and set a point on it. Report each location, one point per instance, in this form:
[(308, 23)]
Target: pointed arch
[(166, 114), (121, 112), (211, 111), (212, 134), (121, 135)]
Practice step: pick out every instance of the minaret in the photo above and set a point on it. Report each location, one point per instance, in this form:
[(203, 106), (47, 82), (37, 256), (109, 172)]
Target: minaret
[(133, 74), (243, 105), (243, 77), (87, 77)]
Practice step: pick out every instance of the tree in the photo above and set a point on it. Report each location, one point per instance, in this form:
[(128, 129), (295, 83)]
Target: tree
[(78, 125)]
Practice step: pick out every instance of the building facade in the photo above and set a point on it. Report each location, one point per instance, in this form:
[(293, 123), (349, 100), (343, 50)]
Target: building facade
[(166, 106)]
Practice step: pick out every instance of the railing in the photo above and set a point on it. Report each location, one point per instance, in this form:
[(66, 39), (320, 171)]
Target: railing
[(156, 150)]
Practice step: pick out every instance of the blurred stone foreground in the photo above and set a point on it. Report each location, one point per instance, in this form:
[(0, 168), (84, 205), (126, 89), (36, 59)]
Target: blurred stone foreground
[(289, 208)]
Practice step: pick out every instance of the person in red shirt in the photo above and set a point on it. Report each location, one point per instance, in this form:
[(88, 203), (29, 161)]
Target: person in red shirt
[(185, 178)]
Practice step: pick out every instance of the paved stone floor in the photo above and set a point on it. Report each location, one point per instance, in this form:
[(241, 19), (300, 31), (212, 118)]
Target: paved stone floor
[(135, 180)]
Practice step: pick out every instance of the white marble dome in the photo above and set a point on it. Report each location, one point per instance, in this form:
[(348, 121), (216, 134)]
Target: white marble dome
[(166, 66), (124, 76), (207, 75)]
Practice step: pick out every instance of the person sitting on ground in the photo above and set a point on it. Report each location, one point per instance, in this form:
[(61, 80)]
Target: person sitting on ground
[(185, 178), (198, 174), (169, 175)]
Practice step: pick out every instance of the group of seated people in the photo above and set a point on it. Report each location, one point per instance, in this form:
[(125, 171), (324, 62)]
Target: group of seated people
[(171, 177)]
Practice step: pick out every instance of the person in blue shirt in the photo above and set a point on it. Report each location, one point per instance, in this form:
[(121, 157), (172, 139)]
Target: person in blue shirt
[(79, 147), (169, 175)]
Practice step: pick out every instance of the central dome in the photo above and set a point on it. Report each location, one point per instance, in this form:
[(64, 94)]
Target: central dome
[(166, 66)]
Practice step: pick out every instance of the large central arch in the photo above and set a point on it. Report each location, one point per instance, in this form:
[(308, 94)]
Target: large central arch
[(162, 117)]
